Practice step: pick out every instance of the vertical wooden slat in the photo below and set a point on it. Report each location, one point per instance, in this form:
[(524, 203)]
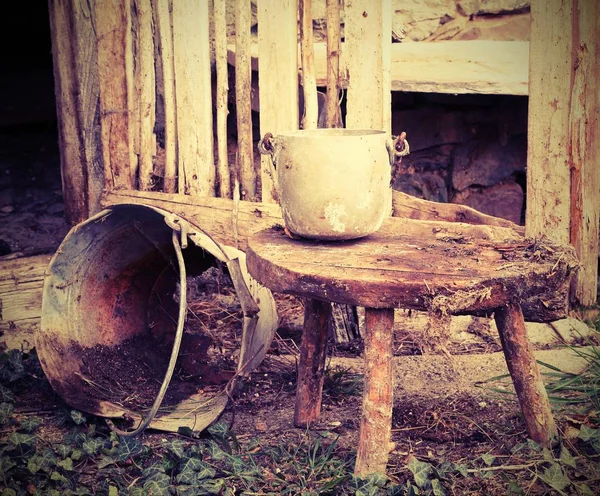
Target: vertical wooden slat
[(278, 74), (368, 48), (243, 79), (584, 146), (113, 30), (76, 88), (193, 96), (164, 36), (548, 174), (224, 177), (145, 92), (310, 114), (333, 64)]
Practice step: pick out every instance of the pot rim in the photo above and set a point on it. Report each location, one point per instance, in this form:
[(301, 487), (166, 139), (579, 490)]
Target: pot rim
[(331, 133)]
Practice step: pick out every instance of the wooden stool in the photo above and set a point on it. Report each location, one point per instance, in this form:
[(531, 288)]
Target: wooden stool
[(444, 267)]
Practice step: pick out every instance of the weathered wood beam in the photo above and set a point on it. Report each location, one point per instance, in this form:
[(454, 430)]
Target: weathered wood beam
[(310, 114), (332, 103)]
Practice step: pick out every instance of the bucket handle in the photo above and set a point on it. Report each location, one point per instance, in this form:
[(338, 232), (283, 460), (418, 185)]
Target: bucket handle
[(397, 148), (268, 146)]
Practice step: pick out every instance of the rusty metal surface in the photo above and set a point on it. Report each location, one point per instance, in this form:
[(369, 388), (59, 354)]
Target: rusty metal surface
[(97, 291)]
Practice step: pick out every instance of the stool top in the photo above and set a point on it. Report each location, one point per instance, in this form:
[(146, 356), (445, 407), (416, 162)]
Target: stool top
[(456, 267)]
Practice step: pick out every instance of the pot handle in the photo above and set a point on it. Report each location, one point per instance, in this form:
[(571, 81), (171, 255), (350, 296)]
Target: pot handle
[(397, 147), (268, 146)]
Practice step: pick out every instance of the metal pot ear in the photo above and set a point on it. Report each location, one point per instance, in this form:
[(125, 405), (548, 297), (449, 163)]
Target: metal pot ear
[(269, 145)]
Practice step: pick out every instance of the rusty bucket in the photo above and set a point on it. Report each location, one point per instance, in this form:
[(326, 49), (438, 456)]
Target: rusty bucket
[(112, 315)]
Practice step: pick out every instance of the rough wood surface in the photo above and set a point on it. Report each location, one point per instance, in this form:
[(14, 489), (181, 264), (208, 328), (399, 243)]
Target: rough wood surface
[(222, 92), (310, 115), (144, 89), (21, 282), (584, 151), (164, 37), (458, 268), (376, 420), (193, 97), (311, 366), (368, 64), (455, 67), (113, 31), (278, 76), (525, 374), (333, 14), (246, 174), (76, 90)]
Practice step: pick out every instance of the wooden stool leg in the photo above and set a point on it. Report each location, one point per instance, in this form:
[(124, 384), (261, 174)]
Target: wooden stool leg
[(376, 420), (311, 368), (525, 374)]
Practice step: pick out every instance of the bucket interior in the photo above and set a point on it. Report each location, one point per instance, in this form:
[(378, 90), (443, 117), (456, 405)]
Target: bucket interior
[(110, 309)]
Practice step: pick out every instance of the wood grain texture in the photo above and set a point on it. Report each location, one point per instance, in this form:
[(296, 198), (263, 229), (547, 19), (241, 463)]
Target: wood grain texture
[(164, 37), (145, 93), (310, 114), (193, 97), (278, 76), (548, 174), (222, 92), (21, 282), (246, 173), (584, 150), (376, 419), (332, 103), (311, 365), (113, 31), (455, 67), (417, 264), (367, 67), (525, 374)]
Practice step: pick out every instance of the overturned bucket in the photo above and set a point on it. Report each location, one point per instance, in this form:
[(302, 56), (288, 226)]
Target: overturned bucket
[(114, 312)]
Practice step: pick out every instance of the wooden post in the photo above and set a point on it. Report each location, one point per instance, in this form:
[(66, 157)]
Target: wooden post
[(144, 88), (525, 374), (376, 421), (243, 104), (563, 162), (311, 367), (310, 115), (113, 31), (193, 96), (368, 34), (332, 102), (76, 89), (584, 147), (278, 75), (164, 36), (222, 90)]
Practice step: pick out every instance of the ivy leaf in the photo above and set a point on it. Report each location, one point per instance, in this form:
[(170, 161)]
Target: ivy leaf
[(12, 368), (158, 485), (6, 395), (46, 461), (63, 450), (6, 464), (187, 477), (92, 446), (6, 410), (137, 491), (113, 491), (437, 489), (586, 433), (462, 469), (58, 477), (67, 464), (30, 424), (567, 458), (420, 470), (129, 447), (555, 477), (77, 454), (211, 486), (78, 417), (176, 447), (8, 492), (488, 459), (16, 439)]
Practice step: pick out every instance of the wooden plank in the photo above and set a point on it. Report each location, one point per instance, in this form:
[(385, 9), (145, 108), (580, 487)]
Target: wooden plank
[(548, 174), (332, 103), (113, 30), (191, 58), (455, 67), (164, 36), (584, 151), (243, 88), (144, 89), (21, 282), (76, 91), (310, 113), (278, 75), (366, 64), (222, 91)]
